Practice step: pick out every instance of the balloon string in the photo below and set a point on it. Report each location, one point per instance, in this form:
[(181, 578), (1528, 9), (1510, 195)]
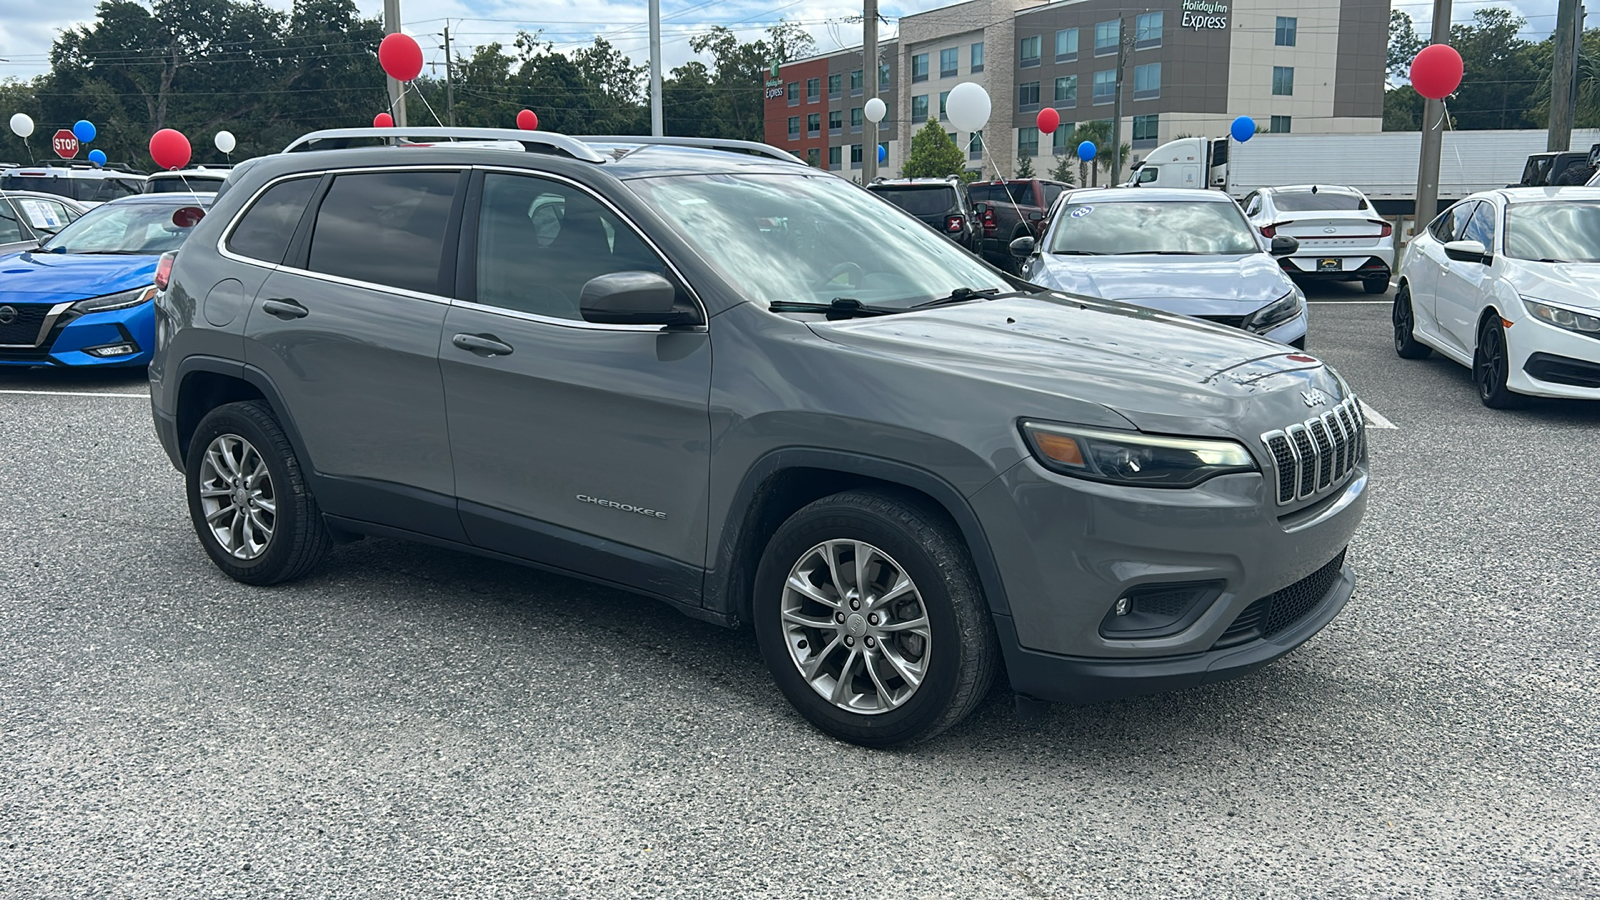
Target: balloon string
[(984, 145), (1461, 165), (414, 89)]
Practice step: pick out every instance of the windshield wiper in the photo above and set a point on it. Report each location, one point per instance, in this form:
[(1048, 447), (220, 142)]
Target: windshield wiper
[(960, 295), (1164, 253), (1076, 253), (838, 308)]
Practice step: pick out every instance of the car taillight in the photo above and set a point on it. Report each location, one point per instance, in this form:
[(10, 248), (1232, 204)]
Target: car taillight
[(988, 221), (1384, 229), (164, 269), (953, 223), (1269, 230)]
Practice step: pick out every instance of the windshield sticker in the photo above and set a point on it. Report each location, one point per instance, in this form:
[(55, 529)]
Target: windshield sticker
[(40, 215), (1082, 211)]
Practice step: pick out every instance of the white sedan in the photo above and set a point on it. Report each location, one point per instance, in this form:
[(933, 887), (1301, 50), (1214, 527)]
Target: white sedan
[(1508, 283), (1342, 238)]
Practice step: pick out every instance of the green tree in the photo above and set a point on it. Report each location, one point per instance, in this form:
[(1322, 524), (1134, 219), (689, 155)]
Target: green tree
[(737, 76), (1504, 71), (1063, 171), (1403, 44), (933, 154), (1025, 167)]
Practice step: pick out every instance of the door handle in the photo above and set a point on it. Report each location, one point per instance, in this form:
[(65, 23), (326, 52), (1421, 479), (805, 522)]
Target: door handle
[(482, 344), (285, 308)]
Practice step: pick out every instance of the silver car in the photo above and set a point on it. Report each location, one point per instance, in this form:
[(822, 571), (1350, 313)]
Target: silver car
[(29, 218)]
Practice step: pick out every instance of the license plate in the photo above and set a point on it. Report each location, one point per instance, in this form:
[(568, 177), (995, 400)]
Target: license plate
[(1328, 265)]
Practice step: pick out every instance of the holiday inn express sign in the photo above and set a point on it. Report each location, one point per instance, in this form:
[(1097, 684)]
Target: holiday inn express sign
[(1204, 14)]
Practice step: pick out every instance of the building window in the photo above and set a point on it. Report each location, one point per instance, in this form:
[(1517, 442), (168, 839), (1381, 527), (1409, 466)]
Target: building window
[(1029, 55), (919, 67), (813, 90), (977, 57), (1067, 90), (883, 75), (919, 110), (813, 124), (1283, 81), (833, 157), (1028, 141), (949, 60), (855, 83), (1280, 125), (835, 82), (1105, 87), (1060, 142), (835, 121), (794, 128), (814, 157), (1067, 45), (944, 97), (1145, 128), (1105, 37), (794, 93), (855, 119), (1147, 31), (855, 156), (975, 146), (1285, 32), (1147, 81), (1028, 96)]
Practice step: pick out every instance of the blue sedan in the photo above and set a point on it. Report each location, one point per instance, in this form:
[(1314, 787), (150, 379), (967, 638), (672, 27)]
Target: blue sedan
[(83, 298)]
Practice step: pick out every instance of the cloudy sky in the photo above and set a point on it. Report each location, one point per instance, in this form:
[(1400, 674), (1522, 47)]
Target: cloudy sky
[(31, 25)]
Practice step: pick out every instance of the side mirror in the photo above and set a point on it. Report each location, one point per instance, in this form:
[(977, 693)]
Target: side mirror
[(632, 298), (1022, 247), (1284, 245), (1036, 217), (1467, 251), (980, 208)]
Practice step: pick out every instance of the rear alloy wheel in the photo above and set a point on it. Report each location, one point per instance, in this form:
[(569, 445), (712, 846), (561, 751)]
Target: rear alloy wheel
[(1405, 323), (1491, 367), (871, 621)]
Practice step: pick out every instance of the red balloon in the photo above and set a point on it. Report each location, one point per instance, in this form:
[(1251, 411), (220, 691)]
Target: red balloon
[(170, 149), (383, 120), (1049, 120), (527, 121), (1437, 71), (400, 56)]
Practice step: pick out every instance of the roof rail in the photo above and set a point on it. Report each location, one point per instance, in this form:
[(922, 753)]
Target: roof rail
[(532, 141), (754, 148)]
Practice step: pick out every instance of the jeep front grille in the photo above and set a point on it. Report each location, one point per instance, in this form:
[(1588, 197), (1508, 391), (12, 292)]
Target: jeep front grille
[(1317, 455)]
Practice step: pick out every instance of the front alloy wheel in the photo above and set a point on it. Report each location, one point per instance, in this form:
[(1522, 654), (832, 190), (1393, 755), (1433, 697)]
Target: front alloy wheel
[(1491, 368), (237, 498)]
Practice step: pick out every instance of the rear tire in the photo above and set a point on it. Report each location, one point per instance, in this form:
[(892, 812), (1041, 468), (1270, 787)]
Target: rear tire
[(1491, 368), (907, 647), (1406, 345), (248, 499)]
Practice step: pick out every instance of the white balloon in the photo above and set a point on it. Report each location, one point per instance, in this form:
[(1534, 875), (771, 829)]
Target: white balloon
[(225, 141), (22, 124), (875, 110), (968, 106)]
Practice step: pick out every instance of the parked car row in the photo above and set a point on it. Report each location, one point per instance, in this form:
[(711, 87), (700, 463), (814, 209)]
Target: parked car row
[(984, 217)]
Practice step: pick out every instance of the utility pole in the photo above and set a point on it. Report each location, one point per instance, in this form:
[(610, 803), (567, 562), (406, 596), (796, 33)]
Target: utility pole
[(657, 127), (397, 96), (1124, 39), (1432, 131), (869, 71), (449, 83), (1564, 74)]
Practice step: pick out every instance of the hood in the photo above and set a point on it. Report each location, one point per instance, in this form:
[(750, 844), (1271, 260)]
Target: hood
[(1162, 372), (1571, 284), (35, 277), (1190, 285)]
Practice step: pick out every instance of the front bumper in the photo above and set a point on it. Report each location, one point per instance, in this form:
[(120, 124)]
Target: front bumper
[(71, 339), (1546, 361)]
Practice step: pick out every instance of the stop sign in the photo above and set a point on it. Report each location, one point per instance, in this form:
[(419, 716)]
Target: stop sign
[(66, 144)]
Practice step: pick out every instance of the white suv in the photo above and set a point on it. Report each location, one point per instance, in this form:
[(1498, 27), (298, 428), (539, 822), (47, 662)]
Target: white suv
[(82, 182), (1342, 238)]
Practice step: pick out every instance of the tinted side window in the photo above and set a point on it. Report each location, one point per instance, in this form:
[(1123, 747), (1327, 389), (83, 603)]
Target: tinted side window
[(1452, 222), (1051, 192), (385, 228), (539, 243), (265, 229), (10, 229), (1480, 227)]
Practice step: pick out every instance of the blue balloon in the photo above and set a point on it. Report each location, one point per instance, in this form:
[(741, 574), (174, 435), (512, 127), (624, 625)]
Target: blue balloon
[(1086, 151), (83, 131), (883, 153), (1243, 129), (98, 157)]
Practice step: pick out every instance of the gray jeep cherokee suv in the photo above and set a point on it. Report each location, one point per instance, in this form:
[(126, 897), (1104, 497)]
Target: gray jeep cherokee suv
[(742, 386)]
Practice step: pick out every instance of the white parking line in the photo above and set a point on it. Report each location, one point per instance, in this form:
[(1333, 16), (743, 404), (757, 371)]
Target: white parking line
[(76, 394), (1374, 420), (1350, 302)]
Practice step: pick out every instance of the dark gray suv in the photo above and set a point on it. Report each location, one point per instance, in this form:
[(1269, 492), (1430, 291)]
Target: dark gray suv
[(710, 374)]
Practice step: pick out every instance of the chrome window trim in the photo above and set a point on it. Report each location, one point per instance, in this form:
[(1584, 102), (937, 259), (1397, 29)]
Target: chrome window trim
[(1339, 449), (44, 327)]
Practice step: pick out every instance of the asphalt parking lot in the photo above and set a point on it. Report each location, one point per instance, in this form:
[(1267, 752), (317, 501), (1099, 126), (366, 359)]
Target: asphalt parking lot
[(413, 722)]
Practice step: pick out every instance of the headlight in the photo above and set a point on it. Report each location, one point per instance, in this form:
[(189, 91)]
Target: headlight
[(1275, 313), (120, 300), (1128, 457), (1567, 319)]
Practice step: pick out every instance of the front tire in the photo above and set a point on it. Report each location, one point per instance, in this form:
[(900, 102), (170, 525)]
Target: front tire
[(1491, 367), (1406, 345), (871, 620), (248, 498)]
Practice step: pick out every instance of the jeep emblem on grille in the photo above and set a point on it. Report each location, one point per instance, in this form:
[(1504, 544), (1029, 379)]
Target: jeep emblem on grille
[(8, 314), (1314, 397)]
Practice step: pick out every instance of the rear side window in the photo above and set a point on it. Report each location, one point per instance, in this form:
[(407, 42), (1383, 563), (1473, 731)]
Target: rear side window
[(385, 228), (1018, 192), (931, 200), (10, 229), (266, 227), (1453, 222)]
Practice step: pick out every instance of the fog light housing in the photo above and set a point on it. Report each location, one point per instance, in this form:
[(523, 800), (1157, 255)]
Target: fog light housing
[(1159, 610), (122, 348)]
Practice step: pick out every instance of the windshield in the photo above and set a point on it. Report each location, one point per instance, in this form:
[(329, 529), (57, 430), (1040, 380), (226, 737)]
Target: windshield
[(188, 184), (812, 238), (1321, 201), (1202, 228), (1562, 231), (129, 228), (929, 200)]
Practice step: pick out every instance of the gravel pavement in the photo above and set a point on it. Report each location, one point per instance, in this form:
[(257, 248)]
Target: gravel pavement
[(413, 722)]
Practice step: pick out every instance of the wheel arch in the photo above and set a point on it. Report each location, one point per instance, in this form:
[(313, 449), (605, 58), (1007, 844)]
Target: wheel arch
[(205, 383), (783, 481)]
